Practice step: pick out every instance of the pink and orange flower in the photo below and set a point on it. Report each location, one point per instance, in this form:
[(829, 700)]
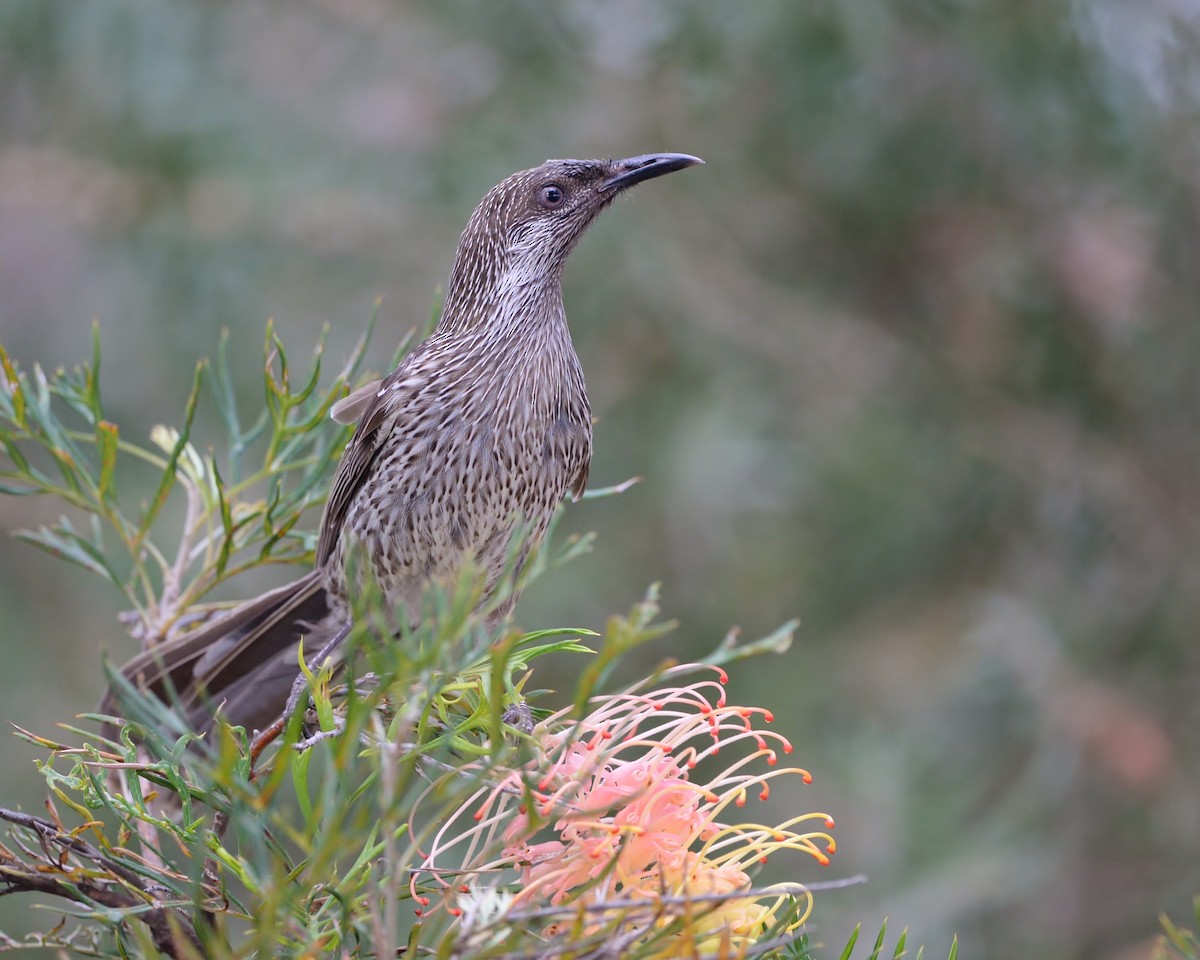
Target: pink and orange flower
[(619, 819)]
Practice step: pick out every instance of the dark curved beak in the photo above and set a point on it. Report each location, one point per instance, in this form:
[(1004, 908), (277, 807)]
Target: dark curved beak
[(625, 173)]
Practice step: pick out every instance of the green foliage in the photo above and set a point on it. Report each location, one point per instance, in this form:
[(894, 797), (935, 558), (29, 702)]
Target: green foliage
[(238, 515), (303, 850), (1177, 943), (877, 949)]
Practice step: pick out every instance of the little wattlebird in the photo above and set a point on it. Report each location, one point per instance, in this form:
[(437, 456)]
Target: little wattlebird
[(473, 440)]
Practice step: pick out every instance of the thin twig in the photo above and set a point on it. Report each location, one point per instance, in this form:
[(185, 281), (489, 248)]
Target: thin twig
[(171, 930)]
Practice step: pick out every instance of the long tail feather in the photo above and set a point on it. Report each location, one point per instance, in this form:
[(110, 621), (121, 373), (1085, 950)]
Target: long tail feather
[(242, 663)]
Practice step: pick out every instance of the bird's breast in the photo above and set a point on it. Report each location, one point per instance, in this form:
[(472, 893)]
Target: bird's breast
[(462, 469)]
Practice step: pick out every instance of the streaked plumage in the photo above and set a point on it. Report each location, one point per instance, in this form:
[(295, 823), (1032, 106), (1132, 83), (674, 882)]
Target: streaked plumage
[(478, 434)]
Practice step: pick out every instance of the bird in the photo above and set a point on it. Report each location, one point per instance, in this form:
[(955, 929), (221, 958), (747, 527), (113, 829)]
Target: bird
[(470, 444)]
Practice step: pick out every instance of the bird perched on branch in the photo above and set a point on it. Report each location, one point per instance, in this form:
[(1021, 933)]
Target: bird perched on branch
[(472, 441)]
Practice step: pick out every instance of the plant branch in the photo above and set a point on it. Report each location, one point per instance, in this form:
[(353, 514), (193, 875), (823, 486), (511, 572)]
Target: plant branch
[(170, 928)]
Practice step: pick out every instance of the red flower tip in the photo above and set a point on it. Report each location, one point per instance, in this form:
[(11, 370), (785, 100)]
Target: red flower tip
[(787, 746), (658, 706), (766, 792), (763, 858), (606, 734), (768, 716), (807, 778), (455, 911), (423, 901), (822, 859), (478, 815), (416, 913), (832, 845), (741, 800), (829, 824), (464, 888), (771, 758), (722, 675)]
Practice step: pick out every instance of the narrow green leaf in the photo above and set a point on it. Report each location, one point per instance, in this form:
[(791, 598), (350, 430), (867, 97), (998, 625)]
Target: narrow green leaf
[(227, 525), (274, 387), (285, 375), (63, 542), (311, 384), (877, 949), (57, 441), (301, 431), (13, 387), (371, 848), (70, 469), (358, 354), (730, 650), (1173, 934), (300, 783), (106, 444), (91, 378), (14, 454), (851, 943), (274, 497), (276, 535), (537, 635), (597, 493), (167, 481), (226, 402)]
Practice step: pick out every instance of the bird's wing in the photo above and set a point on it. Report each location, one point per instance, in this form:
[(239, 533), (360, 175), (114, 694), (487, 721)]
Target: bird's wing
[(579, 483), (354, 467), (374, 409), (351, 407)]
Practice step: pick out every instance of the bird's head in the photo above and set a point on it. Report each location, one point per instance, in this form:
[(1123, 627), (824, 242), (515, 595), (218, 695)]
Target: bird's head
[(522, 231)]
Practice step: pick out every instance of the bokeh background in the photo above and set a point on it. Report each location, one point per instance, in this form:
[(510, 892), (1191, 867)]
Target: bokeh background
[(915, 357)]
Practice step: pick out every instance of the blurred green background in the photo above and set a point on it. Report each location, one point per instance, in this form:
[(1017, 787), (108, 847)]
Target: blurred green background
[(916, 357)]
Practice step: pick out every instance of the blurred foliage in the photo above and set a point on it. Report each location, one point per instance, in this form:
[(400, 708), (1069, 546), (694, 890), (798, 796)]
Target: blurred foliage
[(226, 528), (1179, 943), (913, 357)]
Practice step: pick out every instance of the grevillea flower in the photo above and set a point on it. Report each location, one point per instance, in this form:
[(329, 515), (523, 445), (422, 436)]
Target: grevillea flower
[(618, 822)]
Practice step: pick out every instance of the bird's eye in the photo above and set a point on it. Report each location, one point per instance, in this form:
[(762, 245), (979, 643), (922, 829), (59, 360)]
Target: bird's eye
[(551, 196)]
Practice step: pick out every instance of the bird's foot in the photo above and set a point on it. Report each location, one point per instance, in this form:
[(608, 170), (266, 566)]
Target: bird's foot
[(339, 724), (314, 663)]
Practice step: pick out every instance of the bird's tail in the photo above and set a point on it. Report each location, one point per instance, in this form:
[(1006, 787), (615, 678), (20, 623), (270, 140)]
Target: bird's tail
[(241, 665)]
